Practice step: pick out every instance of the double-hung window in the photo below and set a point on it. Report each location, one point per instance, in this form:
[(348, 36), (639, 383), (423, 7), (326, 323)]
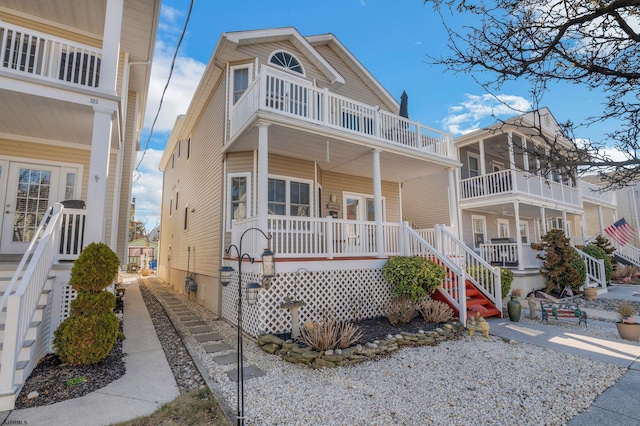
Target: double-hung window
[(479, 224), (240, 79), (239, 191), (289, 197)]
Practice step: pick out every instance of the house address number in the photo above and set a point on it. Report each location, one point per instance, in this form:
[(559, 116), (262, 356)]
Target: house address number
[(93, 100)]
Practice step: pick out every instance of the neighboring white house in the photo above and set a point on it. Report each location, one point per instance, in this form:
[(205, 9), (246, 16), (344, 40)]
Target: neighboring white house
[(291, 135), (74, 77)]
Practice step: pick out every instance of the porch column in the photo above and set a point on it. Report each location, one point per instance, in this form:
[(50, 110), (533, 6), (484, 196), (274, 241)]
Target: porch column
[(512, 162), (111, 45), (263, 174), (520, 250), (525, 155), (483, 166), (584, 228), (377, 204), (98, 176), (565, 228), (543, 218), (453, 205), (601, 220)]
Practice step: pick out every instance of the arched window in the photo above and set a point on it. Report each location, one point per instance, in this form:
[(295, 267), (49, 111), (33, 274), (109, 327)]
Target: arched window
[(287, 61)]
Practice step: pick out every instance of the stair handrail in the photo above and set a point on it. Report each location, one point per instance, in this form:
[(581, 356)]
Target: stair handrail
[(25, 299), (21, 266), (453, 287), (627, 252), (595, 269), (489, 284)]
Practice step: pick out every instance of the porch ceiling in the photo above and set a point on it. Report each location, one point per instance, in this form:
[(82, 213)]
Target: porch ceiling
[(31, 117), (506, 209), (341, 155)]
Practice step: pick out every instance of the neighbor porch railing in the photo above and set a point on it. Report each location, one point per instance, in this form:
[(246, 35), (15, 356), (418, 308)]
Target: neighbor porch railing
[(72, 233), (506, 254), (508, 181), (281, 93), (21, 304), (40, 55), (628, 252), (595, 270), (595, 194)]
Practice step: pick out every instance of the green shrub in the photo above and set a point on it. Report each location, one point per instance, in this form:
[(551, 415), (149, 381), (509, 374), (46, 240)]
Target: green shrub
[(94, 269), (599, 253), (86, 339), (413, 277), (605, 244), (562, 265), (506, 277), (93, 303)]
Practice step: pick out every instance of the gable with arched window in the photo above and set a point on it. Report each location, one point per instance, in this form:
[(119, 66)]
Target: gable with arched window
[(287, 61)]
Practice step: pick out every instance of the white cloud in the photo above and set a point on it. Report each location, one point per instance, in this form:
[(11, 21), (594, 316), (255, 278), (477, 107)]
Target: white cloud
[(471, 114), (186, 76), (147, 187)]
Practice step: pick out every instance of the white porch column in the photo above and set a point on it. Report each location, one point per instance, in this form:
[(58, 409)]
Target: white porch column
[(98, 176), (453, 205), (543, 218), (111, 45), (512, 161), (483, 166), (377, 204), (565, 228), (601, 220), (263, 174), (516, 210), (525, 154), (584, 228)]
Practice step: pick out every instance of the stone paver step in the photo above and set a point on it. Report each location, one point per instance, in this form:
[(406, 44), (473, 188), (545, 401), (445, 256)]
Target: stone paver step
[(249, 371), (209, 337), (217, 347), (227, 359)]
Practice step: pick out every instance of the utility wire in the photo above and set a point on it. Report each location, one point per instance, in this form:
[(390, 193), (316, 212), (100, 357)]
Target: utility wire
[(173, 63)]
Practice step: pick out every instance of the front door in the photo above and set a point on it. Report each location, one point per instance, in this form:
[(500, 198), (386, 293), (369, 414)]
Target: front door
[(30, 190)]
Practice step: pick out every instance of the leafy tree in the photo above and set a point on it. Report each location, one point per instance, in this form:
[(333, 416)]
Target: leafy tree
[(588, 43)]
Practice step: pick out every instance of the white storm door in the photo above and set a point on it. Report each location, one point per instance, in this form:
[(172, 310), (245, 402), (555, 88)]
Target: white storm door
[(31, 189)]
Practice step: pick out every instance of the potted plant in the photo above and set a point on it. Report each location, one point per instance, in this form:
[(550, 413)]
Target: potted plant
[(627, 327), (513, 306)]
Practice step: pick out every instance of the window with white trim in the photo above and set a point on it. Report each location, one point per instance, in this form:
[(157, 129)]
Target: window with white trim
[(238, 196), (474, 165), (503, 228), (287, 61), (241, 77), (479, 226), (289, 197), (524, 232)]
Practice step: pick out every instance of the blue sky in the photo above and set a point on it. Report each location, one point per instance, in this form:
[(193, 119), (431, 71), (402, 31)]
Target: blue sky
[(390, 38)]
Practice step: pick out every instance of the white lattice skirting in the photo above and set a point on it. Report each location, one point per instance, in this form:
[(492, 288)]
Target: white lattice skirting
[(350, 294)]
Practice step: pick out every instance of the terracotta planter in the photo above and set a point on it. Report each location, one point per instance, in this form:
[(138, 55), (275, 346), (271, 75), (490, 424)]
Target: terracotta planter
[(591, 293), (629, 331)]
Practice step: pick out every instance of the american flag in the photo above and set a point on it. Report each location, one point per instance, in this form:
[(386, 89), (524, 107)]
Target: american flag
[(621, 232)]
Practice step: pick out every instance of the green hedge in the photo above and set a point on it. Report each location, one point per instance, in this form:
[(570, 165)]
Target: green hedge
[(413, 277)]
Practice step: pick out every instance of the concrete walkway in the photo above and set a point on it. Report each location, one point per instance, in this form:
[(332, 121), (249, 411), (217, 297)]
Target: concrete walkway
[(618, 405), (147, 384)]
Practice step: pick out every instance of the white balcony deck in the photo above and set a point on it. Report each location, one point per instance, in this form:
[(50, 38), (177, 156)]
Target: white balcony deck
[(503, 183), (594, 194), (294, 97), (45, 57)]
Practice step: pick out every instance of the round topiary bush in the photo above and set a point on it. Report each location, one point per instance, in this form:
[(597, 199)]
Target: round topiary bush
[(413, 277), (86, 339), (93, 303), (599, 253), (94, 269)]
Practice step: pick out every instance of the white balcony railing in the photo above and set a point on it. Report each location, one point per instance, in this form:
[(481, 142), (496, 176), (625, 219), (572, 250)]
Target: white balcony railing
[(35, 54), (506, 254), (594, 193), (507, 182), (284, 94)]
